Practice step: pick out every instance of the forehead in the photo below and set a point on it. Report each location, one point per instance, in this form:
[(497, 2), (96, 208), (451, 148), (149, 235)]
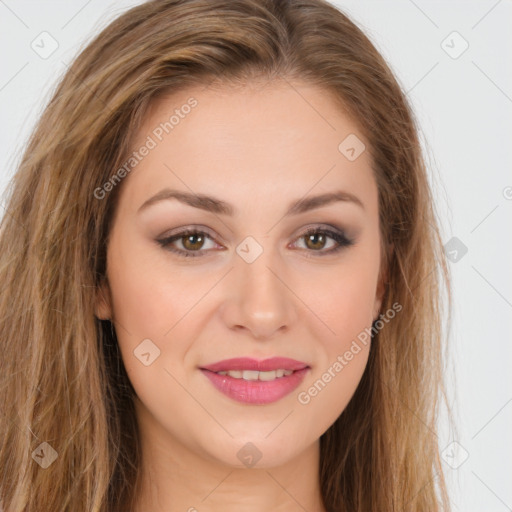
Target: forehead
[(281, 110), (257, 140)]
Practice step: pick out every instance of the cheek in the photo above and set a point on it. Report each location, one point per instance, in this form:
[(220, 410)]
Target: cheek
[(343, 296), (149, 295), (344, 302), (151, 325), (346, 311), (326, 395), (140, 307), (343, 356), (149, 303)]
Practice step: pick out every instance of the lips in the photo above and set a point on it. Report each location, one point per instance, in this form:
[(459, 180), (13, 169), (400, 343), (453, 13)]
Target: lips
[(256, 382)]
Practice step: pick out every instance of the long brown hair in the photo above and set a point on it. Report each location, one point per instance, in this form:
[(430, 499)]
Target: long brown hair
[(62, 380)]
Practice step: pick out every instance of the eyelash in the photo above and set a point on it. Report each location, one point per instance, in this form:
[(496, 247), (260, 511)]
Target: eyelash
[(338, 237)]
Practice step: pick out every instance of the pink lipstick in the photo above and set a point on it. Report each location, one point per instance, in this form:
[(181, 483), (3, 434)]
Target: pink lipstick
[(256, 382)]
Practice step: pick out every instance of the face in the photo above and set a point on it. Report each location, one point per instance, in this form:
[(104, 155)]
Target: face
[(233, 266)]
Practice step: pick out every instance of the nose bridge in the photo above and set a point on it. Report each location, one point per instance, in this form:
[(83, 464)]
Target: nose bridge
[(262, 302), (260, 285)]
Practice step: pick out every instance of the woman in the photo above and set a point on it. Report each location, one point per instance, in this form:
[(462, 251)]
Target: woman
[(218, 269)]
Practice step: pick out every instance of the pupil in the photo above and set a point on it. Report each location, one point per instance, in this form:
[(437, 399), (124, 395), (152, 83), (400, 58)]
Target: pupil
[(189, 241), (315, 239)]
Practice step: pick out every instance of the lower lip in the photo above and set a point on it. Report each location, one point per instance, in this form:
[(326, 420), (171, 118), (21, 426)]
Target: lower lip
[(256, 391)]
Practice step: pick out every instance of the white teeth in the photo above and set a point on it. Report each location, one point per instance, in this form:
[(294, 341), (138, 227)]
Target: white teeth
[(255, 375), (249, 375)]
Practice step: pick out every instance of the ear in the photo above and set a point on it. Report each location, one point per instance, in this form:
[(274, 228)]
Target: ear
[(381, 285), (103, 303)]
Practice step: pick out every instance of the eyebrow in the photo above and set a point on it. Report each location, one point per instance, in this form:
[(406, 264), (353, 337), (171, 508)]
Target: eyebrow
[(217, 206)]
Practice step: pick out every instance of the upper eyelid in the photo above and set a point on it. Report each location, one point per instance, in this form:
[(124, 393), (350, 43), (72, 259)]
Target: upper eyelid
[(205, 231)]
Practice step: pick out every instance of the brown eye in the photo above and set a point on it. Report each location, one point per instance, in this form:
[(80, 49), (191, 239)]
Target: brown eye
[(193, 242), (315, 241), (321, 241)]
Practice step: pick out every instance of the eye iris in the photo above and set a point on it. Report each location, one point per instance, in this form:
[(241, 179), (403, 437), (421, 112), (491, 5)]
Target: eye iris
[(189, 238), (315, 237)]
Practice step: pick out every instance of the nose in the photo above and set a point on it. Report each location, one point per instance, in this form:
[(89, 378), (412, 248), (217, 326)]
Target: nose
[(258, 299)]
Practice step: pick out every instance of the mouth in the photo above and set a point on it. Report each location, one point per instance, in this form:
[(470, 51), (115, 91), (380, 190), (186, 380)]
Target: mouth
[(250, 364), (256, 375), (256, 382)]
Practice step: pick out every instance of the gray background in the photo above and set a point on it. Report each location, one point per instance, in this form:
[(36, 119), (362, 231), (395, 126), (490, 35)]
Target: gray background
[(463, 100)]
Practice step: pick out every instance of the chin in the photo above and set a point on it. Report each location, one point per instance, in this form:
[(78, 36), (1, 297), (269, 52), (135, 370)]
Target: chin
[(257, 452)]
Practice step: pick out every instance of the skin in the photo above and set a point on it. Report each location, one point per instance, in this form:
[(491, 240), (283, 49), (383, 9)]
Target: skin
[(233, 145)]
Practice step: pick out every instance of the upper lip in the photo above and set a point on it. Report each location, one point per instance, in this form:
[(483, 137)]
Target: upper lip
[(247, 363)]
